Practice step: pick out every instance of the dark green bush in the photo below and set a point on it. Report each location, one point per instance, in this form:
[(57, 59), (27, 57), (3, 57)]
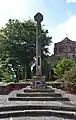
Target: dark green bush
[(69, 79)]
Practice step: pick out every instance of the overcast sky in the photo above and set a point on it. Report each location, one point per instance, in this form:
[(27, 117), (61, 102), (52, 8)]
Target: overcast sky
[(59, 15)]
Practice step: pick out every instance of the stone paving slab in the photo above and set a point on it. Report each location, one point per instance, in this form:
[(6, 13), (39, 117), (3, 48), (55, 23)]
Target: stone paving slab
[(47, 103), (44, 103), (72, 97), (35, 118), (36, 107), (38, 118)]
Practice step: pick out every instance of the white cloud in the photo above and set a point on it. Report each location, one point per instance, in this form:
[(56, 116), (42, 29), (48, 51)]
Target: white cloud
[(68, 27), (67, 1)]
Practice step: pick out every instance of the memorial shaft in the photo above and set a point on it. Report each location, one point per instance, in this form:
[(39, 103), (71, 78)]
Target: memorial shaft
[(38, 50), (38, 80)]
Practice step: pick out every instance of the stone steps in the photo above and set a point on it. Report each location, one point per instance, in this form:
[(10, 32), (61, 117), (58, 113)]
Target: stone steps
[(37, 113), (39, 90), (37, 102), (39, 94), (37, 107), (38, 99)]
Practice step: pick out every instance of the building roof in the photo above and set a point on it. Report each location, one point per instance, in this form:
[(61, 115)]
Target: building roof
[(66, 40)]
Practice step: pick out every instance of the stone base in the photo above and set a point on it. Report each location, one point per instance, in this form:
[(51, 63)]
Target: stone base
[(39, 82)]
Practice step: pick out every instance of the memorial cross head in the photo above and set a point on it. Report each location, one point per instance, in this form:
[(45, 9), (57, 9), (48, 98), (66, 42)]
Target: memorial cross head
[(38, 17)]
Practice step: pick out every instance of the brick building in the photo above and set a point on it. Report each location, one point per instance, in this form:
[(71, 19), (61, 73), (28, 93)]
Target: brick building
[(65, 48)]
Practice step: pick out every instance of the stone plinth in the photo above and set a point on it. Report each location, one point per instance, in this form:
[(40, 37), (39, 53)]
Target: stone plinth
[(39, 82)]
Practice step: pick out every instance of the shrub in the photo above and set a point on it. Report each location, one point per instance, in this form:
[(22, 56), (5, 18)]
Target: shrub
[(62, 66), (69, 79), (6, 76)]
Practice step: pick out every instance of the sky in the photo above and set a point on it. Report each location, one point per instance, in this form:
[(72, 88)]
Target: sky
[(59, 16)]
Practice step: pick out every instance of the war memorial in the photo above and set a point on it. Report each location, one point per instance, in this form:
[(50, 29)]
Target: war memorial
[(38, 101)]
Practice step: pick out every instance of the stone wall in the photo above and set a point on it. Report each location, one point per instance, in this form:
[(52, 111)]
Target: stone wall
[(7, 88), (65, 48)]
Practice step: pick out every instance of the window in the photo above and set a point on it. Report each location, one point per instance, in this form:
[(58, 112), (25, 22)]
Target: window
[(72, 49), (73, 56)]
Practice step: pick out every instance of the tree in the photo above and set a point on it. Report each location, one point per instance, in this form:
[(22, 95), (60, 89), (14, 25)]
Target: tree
[(48, 64), (53, 60), (62, 66), (19, 42)]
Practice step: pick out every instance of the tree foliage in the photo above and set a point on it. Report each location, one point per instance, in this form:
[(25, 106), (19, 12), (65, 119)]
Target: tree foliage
[(53, 60), (62, 66), (69, 79), (18, 42)]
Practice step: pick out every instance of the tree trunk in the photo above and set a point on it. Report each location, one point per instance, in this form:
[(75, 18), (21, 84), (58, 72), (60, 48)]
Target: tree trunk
[(22, 73), (25, 71)]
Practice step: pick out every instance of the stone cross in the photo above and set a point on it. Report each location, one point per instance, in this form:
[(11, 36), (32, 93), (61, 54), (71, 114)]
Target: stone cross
[(38, 18)]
